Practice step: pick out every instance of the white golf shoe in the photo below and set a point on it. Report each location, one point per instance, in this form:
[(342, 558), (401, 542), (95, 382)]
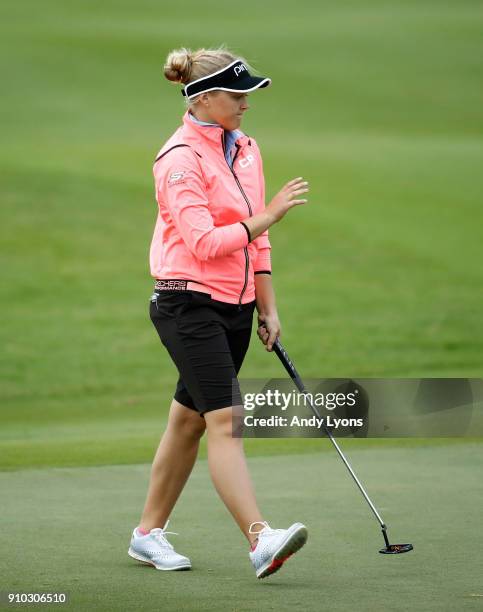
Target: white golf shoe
[(154, 549), (275, 546)]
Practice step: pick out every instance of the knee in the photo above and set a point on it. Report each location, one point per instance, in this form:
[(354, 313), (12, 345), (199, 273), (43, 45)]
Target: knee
[(190, 425), (219, 423)]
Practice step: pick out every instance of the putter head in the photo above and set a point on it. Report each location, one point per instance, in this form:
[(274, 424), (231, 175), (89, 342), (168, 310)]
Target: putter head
[(396, 549)]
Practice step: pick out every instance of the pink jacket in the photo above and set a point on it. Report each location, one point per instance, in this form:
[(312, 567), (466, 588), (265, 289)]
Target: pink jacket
[(198, 234)]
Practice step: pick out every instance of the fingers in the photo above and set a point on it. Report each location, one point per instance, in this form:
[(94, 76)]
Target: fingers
[(267, 337), (299, 191), (262, 331), (271, 339), (294, 185)]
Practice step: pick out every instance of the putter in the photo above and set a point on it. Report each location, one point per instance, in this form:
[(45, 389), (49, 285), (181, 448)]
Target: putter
[(390, 549)]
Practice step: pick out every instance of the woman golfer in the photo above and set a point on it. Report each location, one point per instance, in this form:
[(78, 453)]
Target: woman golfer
[(210, 256)]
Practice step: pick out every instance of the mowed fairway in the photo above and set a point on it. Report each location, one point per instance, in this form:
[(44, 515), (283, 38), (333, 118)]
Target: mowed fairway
[(379, 105), (74, 526)]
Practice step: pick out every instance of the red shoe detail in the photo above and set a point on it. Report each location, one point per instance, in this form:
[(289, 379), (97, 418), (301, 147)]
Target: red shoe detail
[(276, 563)]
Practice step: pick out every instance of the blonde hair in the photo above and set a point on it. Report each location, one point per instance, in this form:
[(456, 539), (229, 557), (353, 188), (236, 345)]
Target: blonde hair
[(184, 65)]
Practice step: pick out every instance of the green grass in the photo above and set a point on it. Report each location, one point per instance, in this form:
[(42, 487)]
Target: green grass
[(379, 275), (68, 530)]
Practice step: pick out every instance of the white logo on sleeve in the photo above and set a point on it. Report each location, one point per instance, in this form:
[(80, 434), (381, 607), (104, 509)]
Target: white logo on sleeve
[(247, 161), (176, 177)]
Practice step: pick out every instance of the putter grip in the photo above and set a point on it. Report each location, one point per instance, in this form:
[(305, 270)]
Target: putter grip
[(288, 365)]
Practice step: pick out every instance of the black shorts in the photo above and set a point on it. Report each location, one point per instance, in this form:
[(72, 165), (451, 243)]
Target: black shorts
[(207, 340)]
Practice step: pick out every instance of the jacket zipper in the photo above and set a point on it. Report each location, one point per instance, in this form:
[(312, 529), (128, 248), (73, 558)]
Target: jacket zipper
[(250, 212)]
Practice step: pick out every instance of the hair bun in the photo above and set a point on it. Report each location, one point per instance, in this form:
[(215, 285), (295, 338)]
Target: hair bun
[(178, 65)]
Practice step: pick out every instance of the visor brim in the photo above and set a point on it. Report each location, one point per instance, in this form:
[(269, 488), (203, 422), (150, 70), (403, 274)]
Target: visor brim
[(248, 83), (245, 85)]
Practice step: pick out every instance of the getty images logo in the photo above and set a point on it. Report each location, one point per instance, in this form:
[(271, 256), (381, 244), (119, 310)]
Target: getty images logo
[(239, 69)]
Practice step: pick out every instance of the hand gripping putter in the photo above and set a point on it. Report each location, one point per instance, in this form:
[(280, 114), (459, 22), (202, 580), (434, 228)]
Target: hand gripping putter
[(390, 549)]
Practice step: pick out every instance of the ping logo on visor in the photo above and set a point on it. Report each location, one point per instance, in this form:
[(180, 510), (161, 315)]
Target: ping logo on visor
[(234, 77), (238, 69)]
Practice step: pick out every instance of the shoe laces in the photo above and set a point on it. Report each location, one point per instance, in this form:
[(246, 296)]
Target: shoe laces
[(265, 531), (159, 535)]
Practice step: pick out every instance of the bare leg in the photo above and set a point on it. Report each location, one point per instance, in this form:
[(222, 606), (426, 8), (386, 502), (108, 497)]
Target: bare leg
[(172, 464), (229, 471)]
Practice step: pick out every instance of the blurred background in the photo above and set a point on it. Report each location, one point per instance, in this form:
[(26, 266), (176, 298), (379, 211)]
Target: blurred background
[(378, 104)]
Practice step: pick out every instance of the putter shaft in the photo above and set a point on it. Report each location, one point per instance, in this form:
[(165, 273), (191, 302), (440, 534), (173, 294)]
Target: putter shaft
[(289, 366)]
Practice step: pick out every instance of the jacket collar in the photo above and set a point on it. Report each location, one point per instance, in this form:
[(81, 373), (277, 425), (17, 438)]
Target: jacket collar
[(208, 133)]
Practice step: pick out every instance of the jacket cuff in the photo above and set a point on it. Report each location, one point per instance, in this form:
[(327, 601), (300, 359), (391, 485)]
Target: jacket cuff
[(234, 237), (263, 262), (248, 231)]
